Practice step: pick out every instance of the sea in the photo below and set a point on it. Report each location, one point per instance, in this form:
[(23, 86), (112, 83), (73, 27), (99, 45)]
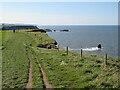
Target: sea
[(87, 38)]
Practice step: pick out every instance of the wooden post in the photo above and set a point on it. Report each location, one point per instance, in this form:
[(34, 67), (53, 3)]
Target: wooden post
[(81, 51), (106, 59), (119, 75), (67, 50)]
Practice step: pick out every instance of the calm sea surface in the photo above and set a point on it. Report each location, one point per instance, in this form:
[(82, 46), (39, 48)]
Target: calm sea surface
[(87, 38)]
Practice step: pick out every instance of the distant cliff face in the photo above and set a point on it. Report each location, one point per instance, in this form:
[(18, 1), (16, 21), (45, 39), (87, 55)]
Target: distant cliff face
[(19, 27)]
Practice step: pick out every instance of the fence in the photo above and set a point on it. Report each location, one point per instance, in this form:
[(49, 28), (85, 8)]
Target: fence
[(67, 49)]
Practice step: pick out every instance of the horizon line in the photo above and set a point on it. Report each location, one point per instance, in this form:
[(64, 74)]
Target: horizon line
[(60, 24), (75, 24)]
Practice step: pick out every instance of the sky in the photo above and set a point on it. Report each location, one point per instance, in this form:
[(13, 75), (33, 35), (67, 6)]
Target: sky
[(59, 0), (60, 13)]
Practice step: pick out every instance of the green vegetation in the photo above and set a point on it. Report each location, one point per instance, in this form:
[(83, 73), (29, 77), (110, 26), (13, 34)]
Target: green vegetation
[(43, 39), (15, 60), (71, 71), (3, 35), (37, 76), (0, 59), (36, 73), (62, 70)]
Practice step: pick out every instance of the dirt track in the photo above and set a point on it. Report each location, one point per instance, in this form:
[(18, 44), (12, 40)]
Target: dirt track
[(29, 84)]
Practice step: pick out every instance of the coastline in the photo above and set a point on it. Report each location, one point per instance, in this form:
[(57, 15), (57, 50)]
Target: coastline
[(53, 43), (61, 47), (63, 69)]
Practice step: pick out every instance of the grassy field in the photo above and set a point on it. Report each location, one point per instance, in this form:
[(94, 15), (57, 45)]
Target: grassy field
[(0, 59), (15, 60), (72, 71), (62, 70)]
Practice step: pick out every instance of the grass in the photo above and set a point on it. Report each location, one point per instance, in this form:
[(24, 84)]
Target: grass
[(72, 71), (37, 76), (3, 34), (36, 73), (41, 38), (15, 60), (62, 70), (0, 59)]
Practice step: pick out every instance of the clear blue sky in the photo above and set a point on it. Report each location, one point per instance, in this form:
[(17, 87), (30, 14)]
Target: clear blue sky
[(60, 13)]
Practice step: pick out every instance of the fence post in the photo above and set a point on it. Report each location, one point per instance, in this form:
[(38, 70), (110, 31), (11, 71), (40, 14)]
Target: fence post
[(81, 51), (118, 75), (106, 59), (67, 50)]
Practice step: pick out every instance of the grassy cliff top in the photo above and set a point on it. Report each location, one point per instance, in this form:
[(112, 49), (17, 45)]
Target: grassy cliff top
[(62, 70)]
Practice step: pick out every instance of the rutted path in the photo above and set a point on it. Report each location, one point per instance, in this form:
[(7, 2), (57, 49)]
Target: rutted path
[(45, 80), (29, 84), (44, 77)]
